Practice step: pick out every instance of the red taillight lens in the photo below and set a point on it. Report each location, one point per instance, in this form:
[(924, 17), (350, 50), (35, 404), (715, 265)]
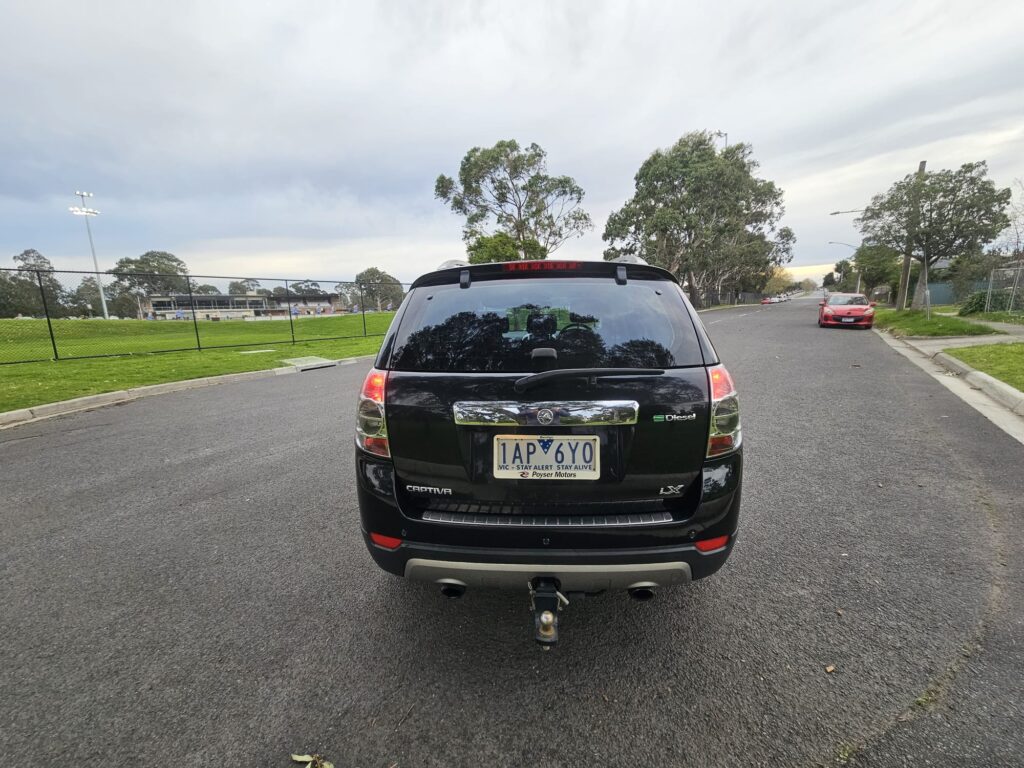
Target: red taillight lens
[(373, 386), (371, 428), (724, 435), (540, 266), (388, 542), (721, 383), (710, 545)]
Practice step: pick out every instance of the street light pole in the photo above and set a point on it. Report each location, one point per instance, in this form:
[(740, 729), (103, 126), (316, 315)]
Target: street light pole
[(908, 254), (88, 213)]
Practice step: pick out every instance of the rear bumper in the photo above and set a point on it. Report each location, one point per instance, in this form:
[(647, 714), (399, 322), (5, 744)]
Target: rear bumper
[(860, 322), (575, 571), (580, 558)]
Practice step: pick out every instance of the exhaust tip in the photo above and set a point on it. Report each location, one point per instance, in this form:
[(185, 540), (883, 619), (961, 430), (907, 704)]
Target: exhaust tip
[(453, 590), (641, 594)]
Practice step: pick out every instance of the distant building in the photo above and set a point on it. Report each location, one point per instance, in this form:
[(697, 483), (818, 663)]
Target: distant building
[(240, 306)]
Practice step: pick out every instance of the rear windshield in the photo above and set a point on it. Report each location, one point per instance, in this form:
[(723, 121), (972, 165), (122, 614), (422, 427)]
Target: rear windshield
[(589, 322), (855, 300)]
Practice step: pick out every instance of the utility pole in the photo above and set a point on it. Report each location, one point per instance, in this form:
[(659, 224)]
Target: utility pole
[(908, 253), (88, 213)]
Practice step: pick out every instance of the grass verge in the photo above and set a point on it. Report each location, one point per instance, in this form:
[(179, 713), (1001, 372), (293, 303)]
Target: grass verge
[(28, 384), (1001, 361), (913, 322), (1000, 317)]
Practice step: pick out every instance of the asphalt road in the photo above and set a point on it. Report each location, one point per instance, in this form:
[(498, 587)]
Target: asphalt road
[(183, 584)]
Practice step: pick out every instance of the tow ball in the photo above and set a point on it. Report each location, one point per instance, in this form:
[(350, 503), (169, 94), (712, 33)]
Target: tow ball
[(545, 602)]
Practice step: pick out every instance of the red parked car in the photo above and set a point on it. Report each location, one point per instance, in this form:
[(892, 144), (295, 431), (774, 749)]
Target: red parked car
[(850, 309)]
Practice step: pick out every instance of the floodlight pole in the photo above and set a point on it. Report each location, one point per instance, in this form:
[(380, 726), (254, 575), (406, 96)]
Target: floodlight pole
[(88, 213)]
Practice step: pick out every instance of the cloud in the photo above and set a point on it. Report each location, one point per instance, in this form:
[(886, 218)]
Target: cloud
[(309, 136)]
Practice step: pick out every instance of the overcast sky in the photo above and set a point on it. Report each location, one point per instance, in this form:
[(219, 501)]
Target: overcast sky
[(303, 139)]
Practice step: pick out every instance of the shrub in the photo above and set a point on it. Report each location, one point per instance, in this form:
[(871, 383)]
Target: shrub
[(976, 302)]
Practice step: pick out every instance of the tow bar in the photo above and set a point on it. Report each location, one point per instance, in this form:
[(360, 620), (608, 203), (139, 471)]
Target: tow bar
[(545, 602)]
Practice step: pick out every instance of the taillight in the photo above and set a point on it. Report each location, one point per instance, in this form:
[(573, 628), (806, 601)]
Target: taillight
[(724, 435), (371, 428), (539, 266), (710, 545)]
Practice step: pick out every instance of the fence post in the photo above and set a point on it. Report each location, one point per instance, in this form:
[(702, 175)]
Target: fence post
[(46, 311), (192, 306), (1013, 290), (362, 307), (288, 301)]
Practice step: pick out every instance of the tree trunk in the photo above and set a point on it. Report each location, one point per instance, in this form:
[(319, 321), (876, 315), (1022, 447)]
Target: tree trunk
[(694, 293), (918, 300)]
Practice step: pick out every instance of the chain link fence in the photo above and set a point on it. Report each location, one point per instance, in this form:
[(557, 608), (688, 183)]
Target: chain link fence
[(1005, 290), (61, 315)]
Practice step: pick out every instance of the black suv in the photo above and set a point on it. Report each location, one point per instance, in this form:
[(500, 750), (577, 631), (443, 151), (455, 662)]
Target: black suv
[(561, 426)]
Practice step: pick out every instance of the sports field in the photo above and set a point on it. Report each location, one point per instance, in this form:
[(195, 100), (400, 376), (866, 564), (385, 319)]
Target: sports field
[(22, 340)]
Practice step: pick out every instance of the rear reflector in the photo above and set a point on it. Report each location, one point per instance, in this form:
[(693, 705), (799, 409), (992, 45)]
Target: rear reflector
[(710, 545), (539, 266), (388, 542)]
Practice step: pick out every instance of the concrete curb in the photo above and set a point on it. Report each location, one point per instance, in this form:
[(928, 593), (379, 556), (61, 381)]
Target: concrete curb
[(89, 402), (1009, 397)]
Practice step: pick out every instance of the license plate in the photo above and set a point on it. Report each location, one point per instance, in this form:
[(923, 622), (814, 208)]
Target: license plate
[(848, 319), (547, 457)]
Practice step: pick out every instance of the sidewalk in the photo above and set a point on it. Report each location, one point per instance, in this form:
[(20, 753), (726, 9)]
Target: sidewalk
[(932, 348)]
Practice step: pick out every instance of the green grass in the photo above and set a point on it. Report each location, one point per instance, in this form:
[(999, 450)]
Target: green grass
[(28, 384), (1002, 361), (30, 339), (913, 322), (949, 309), (1000, 317)]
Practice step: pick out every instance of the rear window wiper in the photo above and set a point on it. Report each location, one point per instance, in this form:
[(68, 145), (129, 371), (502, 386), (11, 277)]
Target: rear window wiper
[(536, 379)]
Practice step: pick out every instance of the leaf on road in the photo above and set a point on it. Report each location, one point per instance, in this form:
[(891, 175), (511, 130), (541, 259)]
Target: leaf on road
[(839, 611), (830, 668), (314, 761)]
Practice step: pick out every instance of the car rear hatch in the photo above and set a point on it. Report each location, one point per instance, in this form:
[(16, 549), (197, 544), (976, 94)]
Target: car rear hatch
[(557, 396)]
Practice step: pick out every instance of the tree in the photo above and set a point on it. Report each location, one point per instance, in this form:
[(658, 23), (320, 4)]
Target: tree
[(1012, 239), (204, 289), (378, 289), (501, 247), (942, 216), (152, 273), (19, 291), (506, 188), (703, 215), (807, 285), (306, 288), (877, 265), (829, 280), (969, 269), (246, 285), (85, 299), (780, 281)]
